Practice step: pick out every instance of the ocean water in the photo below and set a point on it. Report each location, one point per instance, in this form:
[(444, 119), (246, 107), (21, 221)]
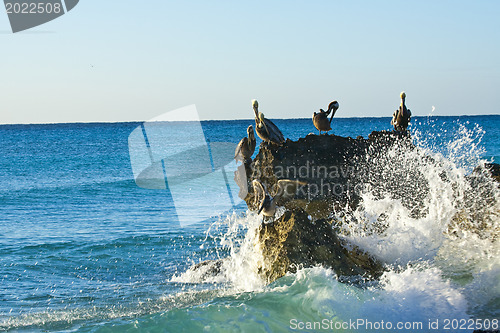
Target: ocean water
[(84, 249)]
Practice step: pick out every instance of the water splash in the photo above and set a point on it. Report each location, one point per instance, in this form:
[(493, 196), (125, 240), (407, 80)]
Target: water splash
[(238, 271), (425, 212), (457, 142), (315, 297), (434, 205)]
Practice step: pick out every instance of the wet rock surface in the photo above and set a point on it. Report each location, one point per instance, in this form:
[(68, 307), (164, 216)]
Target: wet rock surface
[(294, 240), (336, 170), (494, 170)]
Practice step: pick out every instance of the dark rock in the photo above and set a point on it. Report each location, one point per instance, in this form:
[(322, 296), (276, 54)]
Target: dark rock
[(295, 241), (208, 269), (478, 213), (494, 170), (335, 169)]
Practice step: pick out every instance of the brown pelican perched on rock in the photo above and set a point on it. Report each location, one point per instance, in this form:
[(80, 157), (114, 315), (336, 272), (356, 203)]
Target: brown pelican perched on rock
[(246, 147), (265, 128), (284, 189), (401, 117), (320, 120)]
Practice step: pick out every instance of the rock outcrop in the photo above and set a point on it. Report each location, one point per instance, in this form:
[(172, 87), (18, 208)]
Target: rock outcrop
[(335, 169)]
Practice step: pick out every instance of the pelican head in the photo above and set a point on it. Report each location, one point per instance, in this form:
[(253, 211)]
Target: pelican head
[(255, 106), (335, 105), (403, 95), (261, 117), (262, 121), (250, 131)]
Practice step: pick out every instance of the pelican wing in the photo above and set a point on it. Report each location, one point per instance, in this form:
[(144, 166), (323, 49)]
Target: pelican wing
[(251, 140), (274, 132), (287, 189), (252, 144), (323, 113), (394, 117), (259, 192), (238, 154)]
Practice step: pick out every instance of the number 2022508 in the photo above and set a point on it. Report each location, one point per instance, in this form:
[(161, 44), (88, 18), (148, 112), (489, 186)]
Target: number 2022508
[(33, 8)]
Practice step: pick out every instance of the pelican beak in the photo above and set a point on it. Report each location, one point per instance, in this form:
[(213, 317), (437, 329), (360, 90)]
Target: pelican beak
[(255, 106), (261, 118), (261, 207)]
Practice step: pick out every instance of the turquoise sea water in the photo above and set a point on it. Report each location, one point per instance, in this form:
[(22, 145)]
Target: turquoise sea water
[(83, 248)]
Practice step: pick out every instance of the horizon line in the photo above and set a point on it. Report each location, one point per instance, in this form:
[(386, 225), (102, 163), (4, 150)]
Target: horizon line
[(237, 119)]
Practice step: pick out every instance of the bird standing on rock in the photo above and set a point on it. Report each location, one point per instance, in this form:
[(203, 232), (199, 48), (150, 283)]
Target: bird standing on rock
[(402, 116), (265, 128), (246, 147), (320, 120), (285, 189)]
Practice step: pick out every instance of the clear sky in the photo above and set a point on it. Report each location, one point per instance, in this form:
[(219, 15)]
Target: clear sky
[(134, 60)]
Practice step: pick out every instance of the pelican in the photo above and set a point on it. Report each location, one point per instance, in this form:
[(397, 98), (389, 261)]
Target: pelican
[(285, 189), (246, 147), (401, 117), (320, 120), (265, 128)]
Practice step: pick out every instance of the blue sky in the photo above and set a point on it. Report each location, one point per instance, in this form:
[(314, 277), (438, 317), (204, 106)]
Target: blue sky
[(129, 60)]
